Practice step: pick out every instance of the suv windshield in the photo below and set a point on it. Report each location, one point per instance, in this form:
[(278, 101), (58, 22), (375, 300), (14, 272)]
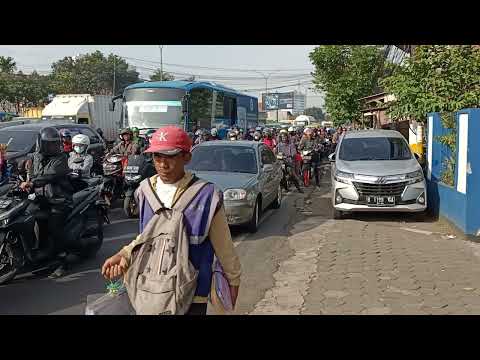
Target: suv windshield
[(374, 148), (21, 140), (239, 159)]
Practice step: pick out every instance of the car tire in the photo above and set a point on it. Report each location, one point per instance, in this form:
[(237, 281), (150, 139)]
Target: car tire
[(338, 215), (277, 203), (253, 224)]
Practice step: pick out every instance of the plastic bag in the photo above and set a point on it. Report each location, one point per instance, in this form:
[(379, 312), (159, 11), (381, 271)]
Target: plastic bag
[(220, 296), (115, 302)]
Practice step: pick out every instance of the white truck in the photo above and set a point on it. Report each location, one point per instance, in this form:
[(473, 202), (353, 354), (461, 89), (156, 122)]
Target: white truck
[(85, 109)]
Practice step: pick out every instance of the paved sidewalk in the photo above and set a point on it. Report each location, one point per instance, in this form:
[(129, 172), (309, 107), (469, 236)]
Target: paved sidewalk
[(372, 264)]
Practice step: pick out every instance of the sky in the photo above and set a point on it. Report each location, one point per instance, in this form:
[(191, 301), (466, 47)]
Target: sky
[(286, 67)]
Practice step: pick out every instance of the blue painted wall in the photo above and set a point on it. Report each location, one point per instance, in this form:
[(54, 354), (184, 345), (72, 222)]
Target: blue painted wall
[(444, 200)]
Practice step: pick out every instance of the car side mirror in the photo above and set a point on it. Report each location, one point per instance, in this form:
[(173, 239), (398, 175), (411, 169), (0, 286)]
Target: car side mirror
[(331, 157)]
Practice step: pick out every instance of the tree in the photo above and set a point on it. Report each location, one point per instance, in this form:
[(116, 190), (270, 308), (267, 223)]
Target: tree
[(159, 76), (346, 73), (438, 78), (93, 74), (316, 112), (7, 65)]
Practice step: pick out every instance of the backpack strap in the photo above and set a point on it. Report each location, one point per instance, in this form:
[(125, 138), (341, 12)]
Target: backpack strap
[(150, 194), (196, 185)]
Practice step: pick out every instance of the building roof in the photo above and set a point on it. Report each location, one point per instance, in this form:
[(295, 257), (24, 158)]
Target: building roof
[(186, 85), (373, 96)]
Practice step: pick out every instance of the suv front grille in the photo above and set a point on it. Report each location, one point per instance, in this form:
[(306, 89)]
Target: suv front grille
[(394, 189)]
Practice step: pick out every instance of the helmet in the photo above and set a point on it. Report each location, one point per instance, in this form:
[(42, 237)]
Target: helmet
[(65, 133), (135, 130), (308, 131), (291, 129), (80, 143), (126, 131), (232, 135), (49, 142), (198, 132), (258, 128), (283, 131), (213, 132), (257, 135)]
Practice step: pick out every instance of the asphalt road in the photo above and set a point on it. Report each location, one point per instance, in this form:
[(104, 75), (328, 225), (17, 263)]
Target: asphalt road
[(39, 295)]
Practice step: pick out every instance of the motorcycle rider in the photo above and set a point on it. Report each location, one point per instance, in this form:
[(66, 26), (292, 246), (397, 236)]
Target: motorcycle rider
[(268, 139), (137, 139), (66, 136), (214, 134), (126, 147), (289, 151), (257, 136), (310, 143), (232, 135), (49, 180), (203, 135), (79, 159)]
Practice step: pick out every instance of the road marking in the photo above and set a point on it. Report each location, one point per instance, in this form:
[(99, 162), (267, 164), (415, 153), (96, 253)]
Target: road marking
[(121, 237)]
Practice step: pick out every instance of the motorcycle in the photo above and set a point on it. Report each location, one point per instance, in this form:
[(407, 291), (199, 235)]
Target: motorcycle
[(138, 167), (307, 166), (22, 233), (113, 173), (285, 182)]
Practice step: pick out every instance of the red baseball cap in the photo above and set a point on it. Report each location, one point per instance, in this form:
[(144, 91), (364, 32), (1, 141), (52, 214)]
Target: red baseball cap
[(169, 140)]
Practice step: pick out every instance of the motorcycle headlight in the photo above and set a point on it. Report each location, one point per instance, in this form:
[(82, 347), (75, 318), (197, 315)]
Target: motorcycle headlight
[(234, 194), (414, 177), (344, 177)]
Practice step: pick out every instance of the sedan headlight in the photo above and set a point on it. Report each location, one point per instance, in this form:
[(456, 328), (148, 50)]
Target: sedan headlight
[(234, 194), (344, 177), (414, 177)]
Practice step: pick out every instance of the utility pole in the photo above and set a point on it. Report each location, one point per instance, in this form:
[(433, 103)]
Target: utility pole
[(161, 62), (114, 73)]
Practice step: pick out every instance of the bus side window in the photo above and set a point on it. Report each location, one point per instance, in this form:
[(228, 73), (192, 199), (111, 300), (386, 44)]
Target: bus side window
[(83, 120), (201, 107)]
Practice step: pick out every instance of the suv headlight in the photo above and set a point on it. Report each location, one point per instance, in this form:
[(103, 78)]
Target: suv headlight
[(414, 177), (234, 194), (344, 177)]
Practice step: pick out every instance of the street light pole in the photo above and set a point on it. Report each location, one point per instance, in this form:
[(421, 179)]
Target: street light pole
[(161, 62), (114, 75)]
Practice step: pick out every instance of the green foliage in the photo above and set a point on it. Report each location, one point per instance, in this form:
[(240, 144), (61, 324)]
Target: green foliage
[(316, 112), (7, 65), (346, 73), (438, 78), (159, 76), (92, 74)]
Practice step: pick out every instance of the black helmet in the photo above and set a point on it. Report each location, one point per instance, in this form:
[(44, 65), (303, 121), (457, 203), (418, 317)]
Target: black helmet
[(49, 142)]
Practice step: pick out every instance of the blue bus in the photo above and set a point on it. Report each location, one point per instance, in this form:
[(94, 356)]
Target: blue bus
[(188, 104)]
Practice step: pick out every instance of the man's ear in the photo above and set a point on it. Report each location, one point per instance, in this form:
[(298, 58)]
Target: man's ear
[(187, 157)]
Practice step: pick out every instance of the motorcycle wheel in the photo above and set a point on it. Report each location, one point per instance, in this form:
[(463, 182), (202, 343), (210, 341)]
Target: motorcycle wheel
[(8, 263), (130, 207)]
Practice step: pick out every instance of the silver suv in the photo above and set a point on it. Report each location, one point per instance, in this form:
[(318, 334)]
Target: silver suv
[(374, 170)]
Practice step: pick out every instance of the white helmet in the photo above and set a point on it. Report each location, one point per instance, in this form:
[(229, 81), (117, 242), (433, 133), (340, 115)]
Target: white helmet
[(80, 143), (291, 129), (198, 132), (81, 139), (213, 132)]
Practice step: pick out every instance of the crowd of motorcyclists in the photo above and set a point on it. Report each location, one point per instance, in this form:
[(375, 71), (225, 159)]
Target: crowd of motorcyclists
[(58, 154), (301, 149)]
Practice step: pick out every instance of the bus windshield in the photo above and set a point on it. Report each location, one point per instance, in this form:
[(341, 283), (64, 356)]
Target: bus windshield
[(153, 108)]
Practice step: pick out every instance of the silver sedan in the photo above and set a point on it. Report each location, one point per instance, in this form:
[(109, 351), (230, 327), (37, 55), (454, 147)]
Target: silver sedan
[(248, 174)]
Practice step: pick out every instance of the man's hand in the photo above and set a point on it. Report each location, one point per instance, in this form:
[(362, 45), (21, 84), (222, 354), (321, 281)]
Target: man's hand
[(26, 186), (114, 267), (234, 294)]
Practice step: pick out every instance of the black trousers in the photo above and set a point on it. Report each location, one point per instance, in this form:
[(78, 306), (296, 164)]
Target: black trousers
[(197, 309)]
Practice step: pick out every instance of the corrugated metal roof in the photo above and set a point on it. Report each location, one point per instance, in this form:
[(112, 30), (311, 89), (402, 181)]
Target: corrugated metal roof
[(186, 85)]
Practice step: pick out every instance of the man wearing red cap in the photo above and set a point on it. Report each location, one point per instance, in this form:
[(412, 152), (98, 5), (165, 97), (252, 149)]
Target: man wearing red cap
[(207, 228)]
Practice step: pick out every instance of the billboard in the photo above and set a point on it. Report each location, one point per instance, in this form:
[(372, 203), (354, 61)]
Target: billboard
[(281, 101)]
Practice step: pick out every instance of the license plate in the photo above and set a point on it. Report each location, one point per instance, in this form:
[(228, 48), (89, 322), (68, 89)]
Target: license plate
[(381, 200), (132, 169)]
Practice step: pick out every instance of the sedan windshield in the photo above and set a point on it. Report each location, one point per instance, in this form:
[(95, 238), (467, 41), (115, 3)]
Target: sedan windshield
[(21, 140), (236, 159), (374, 148)]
